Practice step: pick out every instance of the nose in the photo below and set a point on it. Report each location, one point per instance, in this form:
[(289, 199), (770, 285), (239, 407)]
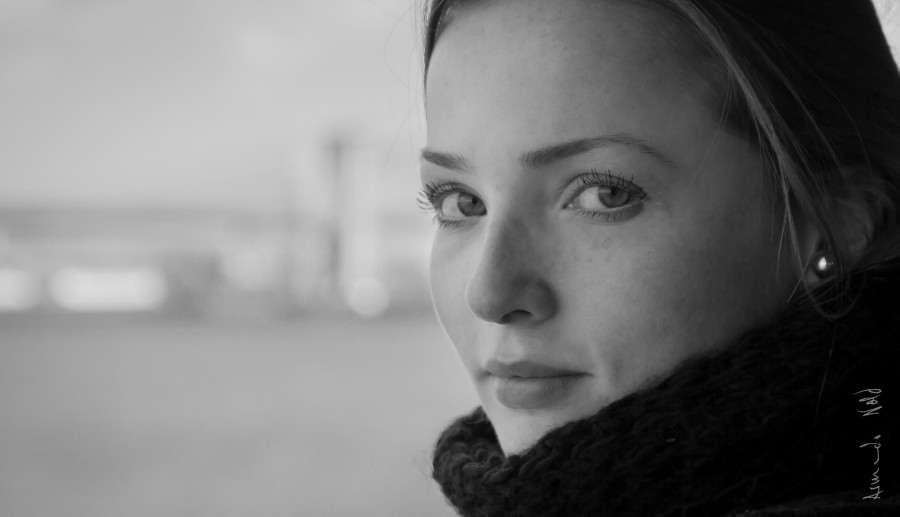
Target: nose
[(510, 281)]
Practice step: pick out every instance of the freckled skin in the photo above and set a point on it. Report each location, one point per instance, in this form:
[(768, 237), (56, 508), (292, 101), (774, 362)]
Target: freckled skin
[(624, 302)]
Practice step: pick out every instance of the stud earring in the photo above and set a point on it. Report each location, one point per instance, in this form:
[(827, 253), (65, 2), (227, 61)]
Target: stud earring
[(823, 264)]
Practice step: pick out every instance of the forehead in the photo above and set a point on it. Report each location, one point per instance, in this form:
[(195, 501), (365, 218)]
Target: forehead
[(565, 66)]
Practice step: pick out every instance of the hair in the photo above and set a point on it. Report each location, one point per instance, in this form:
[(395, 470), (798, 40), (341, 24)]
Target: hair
[(814, 86)]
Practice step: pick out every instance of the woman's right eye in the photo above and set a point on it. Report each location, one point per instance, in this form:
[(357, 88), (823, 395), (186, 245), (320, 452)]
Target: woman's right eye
[(459, 205), (451, 205)]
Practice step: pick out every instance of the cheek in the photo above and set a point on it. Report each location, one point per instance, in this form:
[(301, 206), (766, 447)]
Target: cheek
[(723, 238), (673, 286), (710, 277)]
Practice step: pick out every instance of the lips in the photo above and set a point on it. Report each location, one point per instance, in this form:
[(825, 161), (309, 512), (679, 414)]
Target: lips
[(530, 385), (527, 369)]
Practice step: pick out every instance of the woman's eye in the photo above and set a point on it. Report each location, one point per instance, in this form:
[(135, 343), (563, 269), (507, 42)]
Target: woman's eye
[(605, 197), (451, 203), (600, 198), (459, 205)]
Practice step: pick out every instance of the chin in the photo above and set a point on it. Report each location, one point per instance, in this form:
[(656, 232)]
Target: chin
[(518, 439), (520, 417), (519, 430)]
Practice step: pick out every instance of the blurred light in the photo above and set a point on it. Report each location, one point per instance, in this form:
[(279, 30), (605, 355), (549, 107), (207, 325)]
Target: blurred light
[(19, 290), (109, 289), (368, 297)]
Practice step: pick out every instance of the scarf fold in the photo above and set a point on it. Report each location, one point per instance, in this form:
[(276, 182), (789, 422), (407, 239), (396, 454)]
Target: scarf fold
[(772, 417)]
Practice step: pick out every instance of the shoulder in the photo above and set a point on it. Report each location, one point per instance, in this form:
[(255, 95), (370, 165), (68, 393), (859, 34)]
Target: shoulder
[(846, 504)]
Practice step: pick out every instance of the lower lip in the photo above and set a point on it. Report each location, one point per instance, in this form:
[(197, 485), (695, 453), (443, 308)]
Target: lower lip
[(534, 392)]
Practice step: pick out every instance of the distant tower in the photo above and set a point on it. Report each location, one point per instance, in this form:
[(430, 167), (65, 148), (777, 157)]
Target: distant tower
[(337, 149)]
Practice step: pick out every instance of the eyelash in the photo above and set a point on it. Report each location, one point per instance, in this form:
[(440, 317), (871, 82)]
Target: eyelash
[(433, 191), (607, 179)]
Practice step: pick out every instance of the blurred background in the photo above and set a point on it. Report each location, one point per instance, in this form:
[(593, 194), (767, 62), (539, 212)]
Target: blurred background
[(213, 272)]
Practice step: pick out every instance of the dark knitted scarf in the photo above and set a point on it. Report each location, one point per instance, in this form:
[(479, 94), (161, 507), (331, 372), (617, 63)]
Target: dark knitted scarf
[(773, 417)]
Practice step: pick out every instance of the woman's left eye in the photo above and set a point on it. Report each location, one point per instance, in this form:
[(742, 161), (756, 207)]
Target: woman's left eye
[(606, 197), (602, 198)]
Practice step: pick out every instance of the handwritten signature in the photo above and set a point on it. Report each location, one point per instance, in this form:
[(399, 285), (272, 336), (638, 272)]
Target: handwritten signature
[(872, 400)]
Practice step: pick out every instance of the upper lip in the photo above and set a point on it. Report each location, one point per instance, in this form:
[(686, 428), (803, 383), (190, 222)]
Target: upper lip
[(527, 369)]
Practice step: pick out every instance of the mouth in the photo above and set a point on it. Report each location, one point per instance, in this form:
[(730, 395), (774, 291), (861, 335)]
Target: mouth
[(530, 385)]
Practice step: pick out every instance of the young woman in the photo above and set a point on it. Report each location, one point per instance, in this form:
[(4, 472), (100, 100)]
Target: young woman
[(667, 254)]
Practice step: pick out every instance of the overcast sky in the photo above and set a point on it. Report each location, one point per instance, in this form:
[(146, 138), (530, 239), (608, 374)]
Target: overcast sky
[(200, 102)]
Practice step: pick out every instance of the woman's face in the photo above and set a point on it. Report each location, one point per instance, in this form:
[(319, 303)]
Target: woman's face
[(597, 226)]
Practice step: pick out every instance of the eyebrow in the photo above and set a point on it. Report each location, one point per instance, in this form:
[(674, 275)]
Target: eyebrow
[(549, 155)]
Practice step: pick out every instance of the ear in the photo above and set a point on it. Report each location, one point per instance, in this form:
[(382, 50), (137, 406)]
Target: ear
[(853, 225), (849, 214)]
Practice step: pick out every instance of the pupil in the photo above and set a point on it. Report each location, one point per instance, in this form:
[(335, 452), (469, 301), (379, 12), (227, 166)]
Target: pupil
[(616, 197), (469, 204)]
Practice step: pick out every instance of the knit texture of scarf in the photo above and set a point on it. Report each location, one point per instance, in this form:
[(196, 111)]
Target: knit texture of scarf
[(778, 415)]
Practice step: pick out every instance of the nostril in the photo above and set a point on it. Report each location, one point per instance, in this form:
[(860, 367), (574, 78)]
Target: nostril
[(513, 316)]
